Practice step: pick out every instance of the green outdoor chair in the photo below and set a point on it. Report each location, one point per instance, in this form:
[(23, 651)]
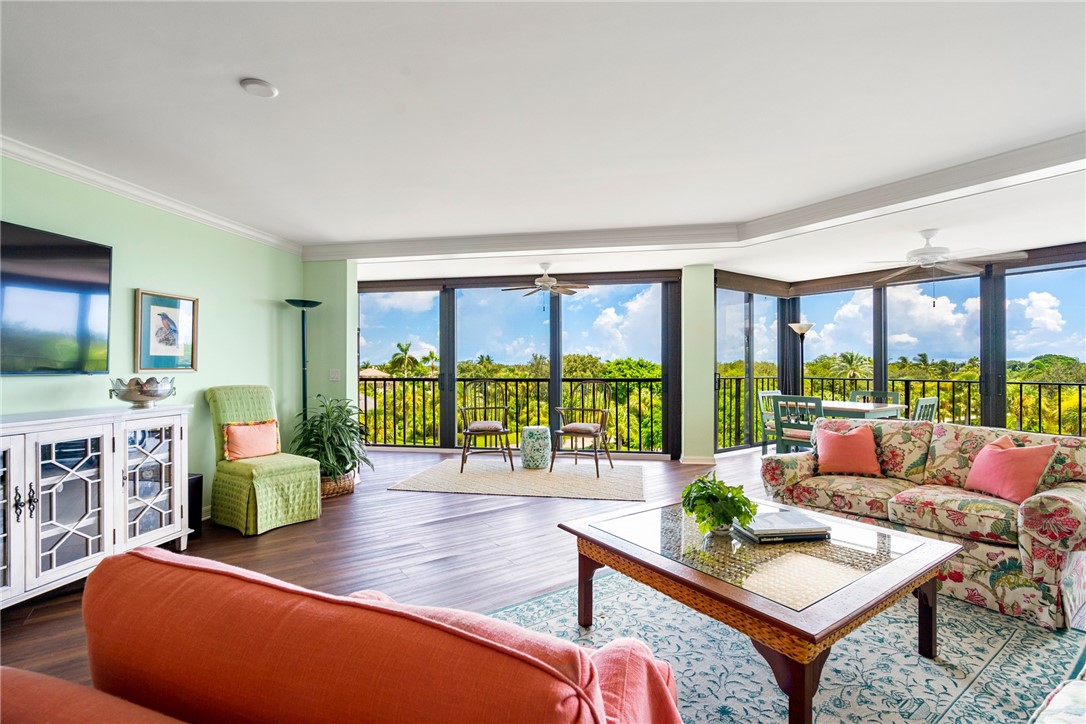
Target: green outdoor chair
[(769, 424), (794, 417), (891, 398), (926, 409), (257, 494)]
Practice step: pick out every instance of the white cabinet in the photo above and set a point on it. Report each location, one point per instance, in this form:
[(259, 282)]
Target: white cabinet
[(68, 522), (80, 486), (12, 510), (153, 468)]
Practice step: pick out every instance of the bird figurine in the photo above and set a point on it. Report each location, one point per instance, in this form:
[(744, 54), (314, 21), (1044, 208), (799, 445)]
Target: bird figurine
[(167, 333)]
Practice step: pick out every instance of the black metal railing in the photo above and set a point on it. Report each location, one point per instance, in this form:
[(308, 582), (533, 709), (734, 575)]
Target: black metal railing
[(406, 411), (1050, 407)]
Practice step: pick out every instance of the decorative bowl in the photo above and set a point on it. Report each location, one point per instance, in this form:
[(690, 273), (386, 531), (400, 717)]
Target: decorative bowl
[(142, 394)]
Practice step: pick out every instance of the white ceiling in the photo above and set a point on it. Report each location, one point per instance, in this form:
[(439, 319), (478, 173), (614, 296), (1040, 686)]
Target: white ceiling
[(774, 139)]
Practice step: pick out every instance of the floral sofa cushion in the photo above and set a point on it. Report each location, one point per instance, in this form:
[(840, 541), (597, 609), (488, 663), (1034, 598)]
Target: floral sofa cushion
[(848, 493), (901, 445), (954, 447), (964, 513)]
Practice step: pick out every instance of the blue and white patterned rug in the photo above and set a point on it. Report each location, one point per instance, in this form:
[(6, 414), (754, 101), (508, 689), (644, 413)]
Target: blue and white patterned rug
[(990, 668)]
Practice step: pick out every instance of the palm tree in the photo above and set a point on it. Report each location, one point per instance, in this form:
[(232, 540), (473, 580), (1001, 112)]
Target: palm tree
[(922, 365), (486, 364), (851, 365), (431, 359), (403, 362)]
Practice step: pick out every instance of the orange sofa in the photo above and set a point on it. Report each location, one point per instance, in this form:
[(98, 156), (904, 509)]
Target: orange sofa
[(203, 641)]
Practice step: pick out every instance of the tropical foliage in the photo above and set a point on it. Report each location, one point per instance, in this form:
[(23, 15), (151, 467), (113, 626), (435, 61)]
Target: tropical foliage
[(405, 409), (1044, 394), (714, 503)]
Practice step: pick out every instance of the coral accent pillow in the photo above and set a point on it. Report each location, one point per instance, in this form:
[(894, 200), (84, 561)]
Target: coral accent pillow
[(847, 453), (1009, 472), (250, 439)]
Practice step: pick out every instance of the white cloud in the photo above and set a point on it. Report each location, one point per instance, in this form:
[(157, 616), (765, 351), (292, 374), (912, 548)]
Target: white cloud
[(940, 327), (1042, 309), (633, 332), (902, 339), (1035, 326), (404, 301), (420, 347), (519, 348), (362, 341)]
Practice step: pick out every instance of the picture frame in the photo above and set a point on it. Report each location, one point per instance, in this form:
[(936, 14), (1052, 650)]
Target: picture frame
[(166, 332)]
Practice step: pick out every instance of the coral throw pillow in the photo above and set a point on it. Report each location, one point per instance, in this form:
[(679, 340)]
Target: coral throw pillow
[(1009, 472), (250, 439), (847, 453)]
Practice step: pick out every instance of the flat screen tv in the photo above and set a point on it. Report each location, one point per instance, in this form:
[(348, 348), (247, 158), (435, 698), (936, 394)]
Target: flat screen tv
[(54, 303)]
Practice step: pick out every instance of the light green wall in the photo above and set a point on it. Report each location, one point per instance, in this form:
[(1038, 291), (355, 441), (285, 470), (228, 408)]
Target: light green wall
[(246, 333), (333, 328), (698, 364)]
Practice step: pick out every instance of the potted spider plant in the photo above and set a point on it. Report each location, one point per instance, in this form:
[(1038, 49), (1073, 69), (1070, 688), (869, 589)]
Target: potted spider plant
[(715, 504), (334, 436)]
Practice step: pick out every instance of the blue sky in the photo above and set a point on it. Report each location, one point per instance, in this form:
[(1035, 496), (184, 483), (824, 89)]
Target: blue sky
[(609, 321), (1046, 313)]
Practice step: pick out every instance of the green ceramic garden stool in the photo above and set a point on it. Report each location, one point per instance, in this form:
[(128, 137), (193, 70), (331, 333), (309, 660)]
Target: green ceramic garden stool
[(535, 446)]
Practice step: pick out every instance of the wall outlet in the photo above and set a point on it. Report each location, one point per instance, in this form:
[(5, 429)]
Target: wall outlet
[(333, 375)]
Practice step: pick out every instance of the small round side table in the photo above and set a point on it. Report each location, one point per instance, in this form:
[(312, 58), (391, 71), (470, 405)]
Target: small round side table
[(535, 446)]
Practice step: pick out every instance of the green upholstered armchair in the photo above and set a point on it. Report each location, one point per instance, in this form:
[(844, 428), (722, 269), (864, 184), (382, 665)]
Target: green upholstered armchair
[(257, 494)]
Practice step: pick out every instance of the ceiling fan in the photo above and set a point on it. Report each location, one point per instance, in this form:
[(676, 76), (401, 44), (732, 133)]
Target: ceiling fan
[(940, 257), (547, 283)]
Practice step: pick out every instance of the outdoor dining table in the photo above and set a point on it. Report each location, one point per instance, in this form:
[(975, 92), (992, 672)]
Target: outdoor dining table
[(869, 410)]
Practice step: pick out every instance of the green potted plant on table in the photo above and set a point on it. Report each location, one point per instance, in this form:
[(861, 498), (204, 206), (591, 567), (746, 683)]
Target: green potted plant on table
[(715, 504), (335, 437)]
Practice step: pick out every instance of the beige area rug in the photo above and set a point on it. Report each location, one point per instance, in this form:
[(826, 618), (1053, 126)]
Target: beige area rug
[(493, 477)]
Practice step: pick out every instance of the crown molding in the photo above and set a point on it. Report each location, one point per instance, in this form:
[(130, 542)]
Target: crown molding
[(1048, 159), (648, 238), (19, 151)]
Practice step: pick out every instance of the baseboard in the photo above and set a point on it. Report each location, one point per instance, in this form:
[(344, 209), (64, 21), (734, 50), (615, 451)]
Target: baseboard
[(697, 460)]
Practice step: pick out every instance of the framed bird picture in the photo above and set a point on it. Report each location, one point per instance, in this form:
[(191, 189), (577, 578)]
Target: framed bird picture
[(165, 332)]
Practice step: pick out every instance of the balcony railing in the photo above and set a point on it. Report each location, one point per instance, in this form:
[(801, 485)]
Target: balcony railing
[(1050, 407), (406, 411)]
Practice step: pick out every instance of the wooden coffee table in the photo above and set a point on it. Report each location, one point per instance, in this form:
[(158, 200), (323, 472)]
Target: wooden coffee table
[(794, 600)]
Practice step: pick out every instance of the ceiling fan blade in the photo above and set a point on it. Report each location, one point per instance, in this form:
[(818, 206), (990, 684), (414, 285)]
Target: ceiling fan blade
[(898, 273), (517, 289), (958, 268), (561, 290), (571, 285), (535, 290), (1004, 256)]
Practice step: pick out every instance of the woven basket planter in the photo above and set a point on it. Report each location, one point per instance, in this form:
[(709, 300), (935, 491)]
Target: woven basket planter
[(339, 485)]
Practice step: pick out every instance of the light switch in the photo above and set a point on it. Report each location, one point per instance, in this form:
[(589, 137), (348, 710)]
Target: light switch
[(333, 375)]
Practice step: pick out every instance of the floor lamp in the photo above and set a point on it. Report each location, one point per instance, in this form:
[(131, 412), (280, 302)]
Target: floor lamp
[(305, 305), (801, 328)]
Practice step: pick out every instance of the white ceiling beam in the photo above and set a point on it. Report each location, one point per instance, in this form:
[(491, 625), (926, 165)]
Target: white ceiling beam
[(654, 238), (1023, 165)]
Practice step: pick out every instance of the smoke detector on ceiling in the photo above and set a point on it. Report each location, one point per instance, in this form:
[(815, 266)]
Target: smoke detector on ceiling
[(259, 88)]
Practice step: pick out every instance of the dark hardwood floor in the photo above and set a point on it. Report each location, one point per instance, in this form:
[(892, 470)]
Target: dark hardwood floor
[(474, 552)]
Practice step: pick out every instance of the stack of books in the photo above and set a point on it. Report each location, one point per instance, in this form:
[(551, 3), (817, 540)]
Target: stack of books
[(783, 526)]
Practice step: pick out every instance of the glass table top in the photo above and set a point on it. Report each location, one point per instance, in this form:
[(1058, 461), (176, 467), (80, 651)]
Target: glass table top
[(795, 575)]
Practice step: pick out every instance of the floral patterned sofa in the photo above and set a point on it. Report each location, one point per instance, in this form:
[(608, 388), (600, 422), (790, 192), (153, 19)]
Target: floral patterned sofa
[(1025, 560)]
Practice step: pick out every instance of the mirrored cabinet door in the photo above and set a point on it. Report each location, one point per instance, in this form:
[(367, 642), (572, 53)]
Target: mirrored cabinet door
[(67, 516), (152, 499)]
